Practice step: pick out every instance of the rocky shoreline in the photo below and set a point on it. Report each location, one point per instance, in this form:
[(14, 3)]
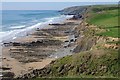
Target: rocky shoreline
[(85, 54), (48, 52), (79, 46), (38, 46), (69, 46)]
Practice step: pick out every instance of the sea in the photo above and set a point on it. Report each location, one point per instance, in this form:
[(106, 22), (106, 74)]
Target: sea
[(18, 23)]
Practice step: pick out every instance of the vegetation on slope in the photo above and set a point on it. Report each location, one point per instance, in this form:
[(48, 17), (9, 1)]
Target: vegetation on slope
[(88, 64), (99, 61), (106, 18)]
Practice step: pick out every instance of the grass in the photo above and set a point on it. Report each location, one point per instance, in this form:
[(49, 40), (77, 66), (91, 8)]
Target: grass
[(114, 42), (91, 64), (101, 63), (76, 79), (103, 66), (107, 19), (113, 32)]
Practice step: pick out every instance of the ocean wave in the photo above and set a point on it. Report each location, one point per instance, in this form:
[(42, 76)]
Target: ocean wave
[(58, 18), (18, 32), (17, 27)]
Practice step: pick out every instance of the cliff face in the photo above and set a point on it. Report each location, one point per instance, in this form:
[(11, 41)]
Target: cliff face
[(73, 10), (88, 60), (92, 59)]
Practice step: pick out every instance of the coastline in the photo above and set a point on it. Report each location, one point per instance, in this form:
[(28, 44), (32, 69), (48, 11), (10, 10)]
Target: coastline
[(78, 47), (17, 67), (10, 35)]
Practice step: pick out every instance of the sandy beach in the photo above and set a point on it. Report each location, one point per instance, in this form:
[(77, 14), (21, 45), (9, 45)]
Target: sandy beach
[(73, 41), (39, 48)]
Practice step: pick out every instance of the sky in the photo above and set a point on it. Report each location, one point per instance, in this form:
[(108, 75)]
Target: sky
[(60, 0), (45, 5)]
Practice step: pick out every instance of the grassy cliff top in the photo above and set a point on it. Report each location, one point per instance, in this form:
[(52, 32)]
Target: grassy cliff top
[(99, 61), (105, 17)]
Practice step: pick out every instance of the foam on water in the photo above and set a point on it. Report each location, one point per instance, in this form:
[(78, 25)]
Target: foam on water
[(18, 32), (17, 27)]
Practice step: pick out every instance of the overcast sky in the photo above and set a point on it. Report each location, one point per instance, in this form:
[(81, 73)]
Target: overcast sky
[(45, 5)]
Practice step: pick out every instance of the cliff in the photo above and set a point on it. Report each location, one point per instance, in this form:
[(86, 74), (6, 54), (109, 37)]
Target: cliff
[(91, 58), (73, 10)]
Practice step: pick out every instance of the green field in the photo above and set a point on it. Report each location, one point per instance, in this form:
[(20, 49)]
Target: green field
[(106, 19)]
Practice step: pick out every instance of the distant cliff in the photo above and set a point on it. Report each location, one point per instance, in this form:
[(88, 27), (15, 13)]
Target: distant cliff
[(73, 10)]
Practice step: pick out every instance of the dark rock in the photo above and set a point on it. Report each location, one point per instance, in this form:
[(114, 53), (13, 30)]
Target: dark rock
[(60, 68), (73, 10), (5, 68), (57, 24), (16, 44), (75, 17), (8, 74), (48, 71)]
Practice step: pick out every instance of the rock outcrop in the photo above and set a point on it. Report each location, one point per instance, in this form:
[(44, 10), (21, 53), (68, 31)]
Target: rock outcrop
[(74, 10)]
